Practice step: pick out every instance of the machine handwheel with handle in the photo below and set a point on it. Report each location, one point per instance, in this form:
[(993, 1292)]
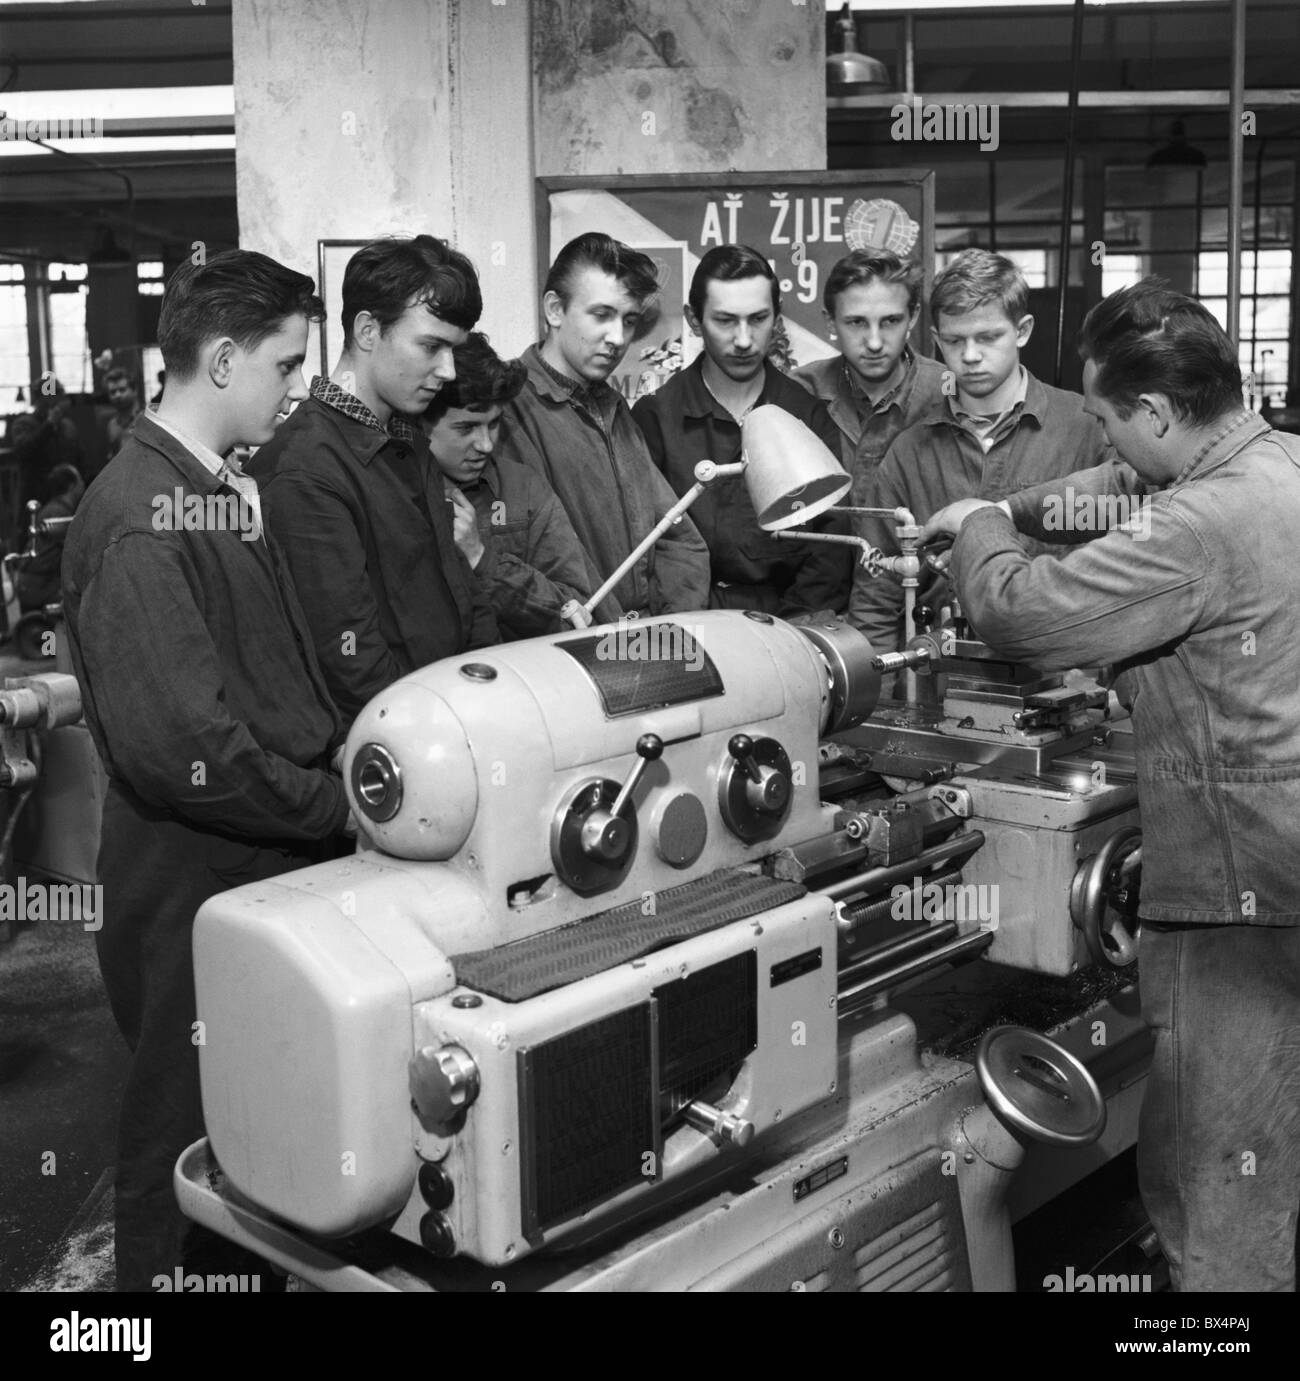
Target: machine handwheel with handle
[(1104, 899), (1038, 1089)]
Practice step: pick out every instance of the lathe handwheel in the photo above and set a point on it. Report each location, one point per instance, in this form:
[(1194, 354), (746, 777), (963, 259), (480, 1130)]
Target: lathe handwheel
[(1038, 1089), (1098, 889)]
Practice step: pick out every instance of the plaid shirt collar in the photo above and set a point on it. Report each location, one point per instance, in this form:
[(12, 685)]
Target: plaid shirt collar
[(1223, 443), (328, 392), (593, 395)]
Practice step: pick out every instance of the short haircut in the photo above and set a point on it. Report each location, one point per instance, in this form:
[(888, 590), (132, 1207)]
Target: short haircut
[(237, 293), (634, 270), (729, 264), (387, 276), (119, 375), (864, 266), (483, 380), (975, 278), (1147, 338)]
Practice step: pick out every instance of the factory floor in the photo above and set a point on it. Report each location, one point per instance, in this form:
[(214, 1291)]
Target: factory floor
[(62, 1066)]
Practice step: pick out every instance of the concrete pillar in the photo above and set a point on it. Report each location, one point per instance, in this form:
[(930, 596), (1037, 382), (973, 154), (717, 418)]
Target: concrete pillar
[(359, 120), (353, 121), (679, 86)]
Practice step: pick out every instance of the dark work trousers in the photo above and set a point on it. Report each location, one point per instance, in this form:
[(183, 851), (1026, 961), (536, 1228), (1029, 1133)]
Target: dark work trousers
[(156, 873), (1219, 1144)]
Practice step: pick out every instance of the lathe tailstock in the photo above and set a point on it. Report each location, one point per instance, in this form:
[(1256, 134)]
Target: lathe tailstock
[(602, 1003)]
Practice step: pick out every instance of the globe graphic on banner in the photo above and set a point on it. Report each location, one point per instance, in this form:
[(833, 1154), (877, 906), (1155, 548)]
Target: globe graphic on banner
[(880, 224)]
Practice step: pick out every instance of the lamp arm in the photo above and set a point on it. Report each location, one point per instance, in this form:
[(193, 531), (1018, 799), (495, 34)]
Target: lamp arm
[(705, 473)]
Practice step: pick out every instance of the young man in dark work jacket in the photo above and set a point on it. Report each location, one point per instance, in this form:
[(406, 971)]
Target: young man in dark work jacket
[(576, 430), (349, 488), (734, 303), (204, 700), (509, 525)]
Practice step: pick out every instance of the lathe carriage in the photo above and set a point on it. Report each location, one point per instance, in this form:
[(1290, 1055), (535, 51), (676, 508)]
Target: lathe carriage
[(633, 983)]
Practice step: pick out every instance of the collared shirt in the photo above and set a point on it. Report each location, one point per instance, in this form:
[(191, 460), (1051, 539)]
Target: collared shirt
[(226, 469), (1195, 606), (194, 659), (360, 511), (683, 423), (937, 461), (868, 430), (532, 562), (989, 428), (329, 393), (582, 440)]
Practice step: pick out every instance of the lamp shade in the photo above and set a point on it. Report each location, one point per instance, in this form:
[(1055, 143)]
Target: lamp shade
[(790, 474)]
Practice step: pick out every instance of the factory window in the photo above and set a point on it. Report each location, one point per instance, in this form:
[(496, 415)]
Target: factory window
[(1120, 271), (69, 350), (14, 369), (150, 275), (1265, 316)]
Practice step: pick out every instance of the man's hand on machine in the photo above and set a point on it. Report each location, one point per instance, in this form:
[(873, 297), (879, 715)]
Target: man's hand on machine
[(950, 519), (942, 527)]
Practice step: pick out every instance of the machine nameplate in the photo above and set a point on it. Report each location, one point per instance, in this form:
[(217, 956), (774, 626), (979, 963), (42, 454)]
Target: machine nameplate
[(795, 967), (819, 1179)]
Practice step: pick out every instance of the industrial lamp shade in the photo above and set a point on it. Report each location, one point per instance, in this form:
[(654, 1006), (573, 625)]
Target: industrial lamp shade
[(790, 474), (846, 67)]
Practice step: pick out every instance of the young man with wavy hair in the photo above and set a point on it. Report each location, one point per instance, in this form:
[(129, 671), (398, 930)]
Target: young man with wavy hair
[(349, 488)]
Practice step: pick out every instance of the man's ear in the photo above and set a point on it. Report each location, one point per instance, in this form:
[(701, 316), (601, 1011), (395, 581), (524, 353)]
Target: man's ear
[(365, 331), (221, 361), (552, 308), (1024, 329), (1157, 410), (691, 319)]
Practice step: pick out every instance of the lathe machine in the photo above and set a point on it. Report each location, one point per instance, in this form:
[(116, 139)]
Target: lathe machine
[(665, 964)]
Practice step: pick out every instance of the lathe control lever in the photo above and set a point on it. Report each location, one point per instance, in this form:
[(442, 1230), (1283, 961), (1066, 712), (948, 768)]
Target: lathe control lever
[(606, 834), (768, 788), (755, 787)]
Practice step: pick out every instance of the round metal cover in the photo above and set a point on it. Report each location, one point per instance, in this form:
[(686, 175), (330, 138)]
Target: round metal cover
[(683, 829), (1038, 1089)]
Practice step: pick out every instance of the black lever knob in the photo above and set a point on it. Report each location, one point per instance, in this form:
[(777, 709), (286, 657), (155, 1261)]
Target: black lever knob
[(741, 747)]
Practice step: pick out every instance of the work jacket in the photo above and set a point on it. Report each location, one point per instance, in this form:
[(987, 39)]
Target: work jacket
[(200, 687), (937, 461), (1194, 601), (683, 423), (583, 442), (864, 443), (367, 530), (532, 562)]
